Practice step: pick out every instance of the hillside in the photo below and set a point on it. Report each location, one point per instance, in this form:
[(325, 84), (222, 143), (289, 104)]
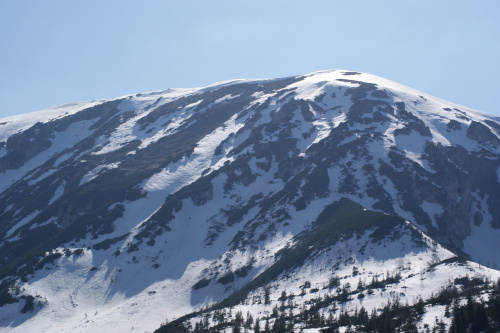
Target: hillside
[(128, 213)]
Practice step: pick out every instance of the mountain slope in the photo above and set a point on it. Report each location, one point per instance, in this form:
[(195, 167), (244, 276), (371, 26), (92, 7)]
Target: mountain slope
[(188, 195)]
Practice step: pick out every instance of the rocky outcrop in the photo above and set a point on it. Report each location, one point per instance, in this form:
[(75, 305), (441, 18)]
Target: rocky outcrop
[(481, 133)]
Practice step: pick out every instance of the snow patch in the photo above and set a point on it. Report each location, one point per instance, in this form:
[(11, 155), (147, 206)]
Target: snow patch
[(49, 221), (176, 120), (96, 171), (63, 158), (434, 210), (226, 98), (59, 191), (19, 123), (185, 171), (192, 105), (19, 224), (41, 177)]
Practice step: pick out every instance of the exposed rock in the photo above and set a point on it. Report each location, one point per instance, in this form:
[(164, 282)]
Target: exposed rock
[(481, 133)]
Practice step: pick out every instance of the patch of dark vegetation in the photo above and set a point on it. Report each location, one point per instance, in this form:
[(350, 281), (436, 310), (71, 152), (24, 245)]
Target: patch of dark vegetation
[(5, 295), (239, 173), (379, 94), (104, 245), (350, 73), (456, 259), (218, 149), (133, 247), (478, 218), (480, 132), (48, 259), (469, 282), (243, 271), (305, 110), (315, 186), (203, 194), (319, 98), (201, 284), (412, 122), (366, 111), (236, 214), (360, 92), (227, 278), (377, 191), (29, 304), (348, 184), (454, 125)]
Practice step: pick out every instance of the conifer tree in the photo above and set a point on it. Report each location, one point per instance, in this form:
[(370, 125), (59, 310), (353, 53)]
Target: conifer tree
[(267, 329), (267, 298), (256, 326), (249, 321)]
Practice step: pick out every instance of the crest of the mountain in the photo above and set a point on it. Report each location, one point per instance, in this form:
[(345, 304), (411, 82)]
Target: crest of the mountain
[(225, 192)]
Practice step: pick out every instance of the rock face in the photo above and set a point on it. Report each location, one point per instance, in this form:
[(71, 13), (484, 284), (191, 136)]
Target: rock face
[(233, 166)]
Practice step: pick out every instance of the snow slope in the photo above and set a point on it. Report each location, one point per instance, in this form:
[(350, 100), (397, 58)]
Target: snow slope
[(118, 215)]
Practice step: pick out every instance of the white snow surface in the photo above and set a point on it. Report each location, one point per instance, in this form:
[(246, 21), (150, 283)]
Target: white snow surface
[(18, 123), (92, 174), (186, 170), (434, 210)]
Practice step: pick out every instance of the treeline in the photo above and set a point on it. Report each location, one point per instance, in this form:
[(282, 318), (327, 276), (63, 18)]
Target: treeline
[(471, 304)]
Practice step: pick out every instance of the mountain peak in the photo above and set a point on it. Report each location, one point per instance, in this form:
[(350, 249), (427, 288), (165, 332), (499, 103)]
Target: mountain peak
[(224, 194)]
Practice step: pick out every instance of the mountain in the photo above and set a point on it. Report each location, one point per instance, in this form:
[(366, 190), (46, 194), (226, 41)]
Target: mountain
[(332, 191)]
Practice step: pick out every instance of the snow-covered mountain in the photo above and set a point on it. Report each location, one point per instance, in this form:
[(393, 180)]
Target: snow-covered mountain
[(122, 214)]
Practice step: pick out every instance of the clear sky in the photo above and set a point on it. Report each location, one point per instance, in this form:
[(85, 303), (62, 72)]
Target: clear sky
[(54, 52)]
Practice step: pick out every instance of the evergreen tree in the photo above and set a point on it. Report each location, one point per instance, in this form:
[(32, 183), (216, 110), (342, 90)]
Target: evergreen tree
[(279, 325), (256, 326), (267, 329), (249, 321), (479, 319), (441, 326), (275, 312), (362, 316), (410, 326), (267, 298), (283, 296), (447, 313), (420, 306), (361, 285), (237, 322)]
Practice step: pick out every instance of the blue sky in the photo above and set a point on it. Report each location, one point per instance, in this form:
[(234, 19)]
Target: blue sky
[(54, 52)]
